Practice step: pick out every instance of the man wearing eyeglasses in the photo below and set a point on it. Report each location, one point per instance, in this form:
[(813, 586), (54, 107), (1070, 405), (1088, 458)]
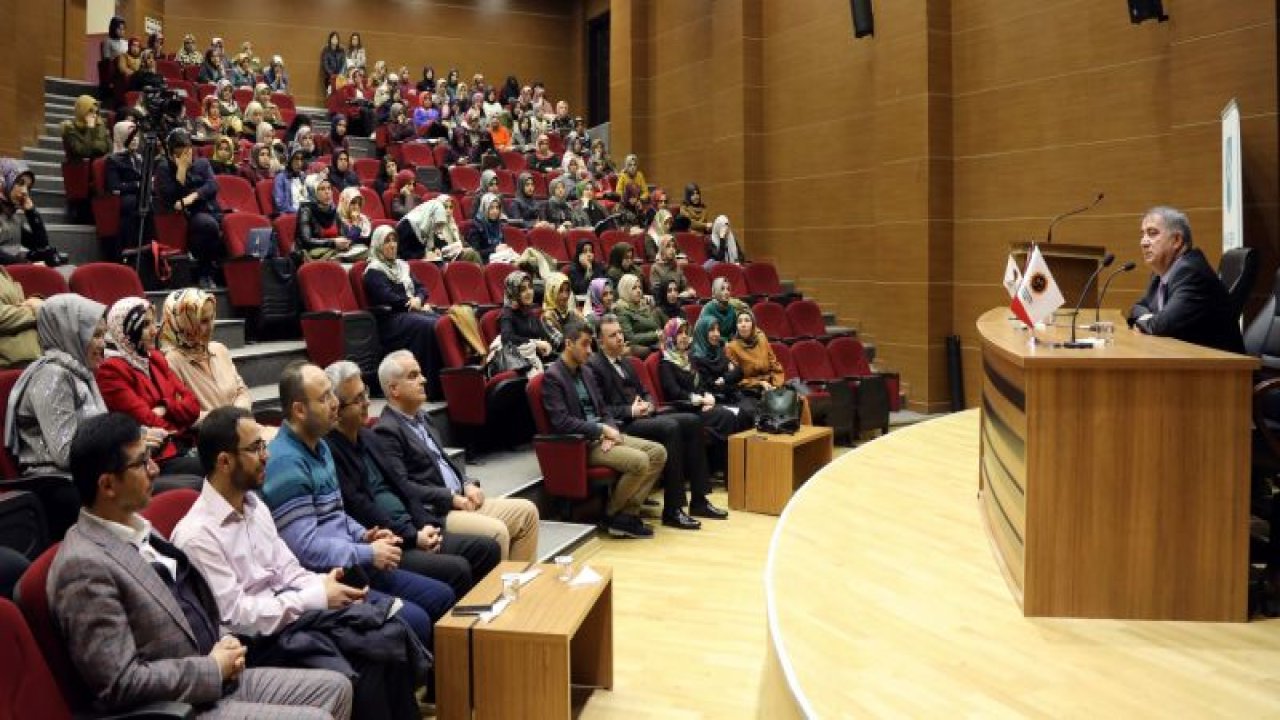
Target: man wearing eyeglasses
[(261, 589), (140, 622)]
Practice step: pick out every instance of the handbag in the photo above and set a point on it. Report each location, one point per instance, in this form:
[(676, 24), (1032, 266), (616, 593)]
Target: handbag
[(778, 412)]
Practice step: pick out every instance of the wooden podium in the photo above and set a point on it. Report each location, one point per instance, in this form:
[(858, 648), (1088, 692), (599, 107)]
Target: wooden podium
[(1071, 266), (1114, 481)]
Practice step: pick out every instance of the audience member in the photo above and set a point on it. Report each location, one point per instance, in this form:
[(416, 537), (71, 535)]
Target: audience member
[(115, 43), (210, 123), (333, 59), (667, 270), (486, 235), (630, 213), (341, 176), (186, 184), (525, 208), (294, 616), (558, 310), (659, 228), (211, 70), (575, 406), (140, 622), (622, 261), (307, 141), (519, 324), (408, 321), (319, 232), (146, 77), (724, 246), (761, 371), (241, 73), (685, 388), (721, 377), (376, 497), (19, 342), (723, 306), (406, 196), (593, 213), (259, 165), (135, 379), (128, 62), (223, 160), (430, 232), (601, 296), (276, 77), (542, 159), (123, 170), (631, 406), (1184, 299), (584, 268), (338, 138), (23, 237), (556, 211), (666, 298), (631, 175), (189, 55), (641, 322), (84, 137), (354, 224), (306, 504), (600, 164), (57, 391), (289, 192), (414, 451)]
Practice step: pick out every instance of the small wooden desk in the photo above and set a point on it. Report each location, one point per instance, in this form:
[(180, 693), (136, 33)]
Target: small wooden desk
[(766, 469), (521, 664)]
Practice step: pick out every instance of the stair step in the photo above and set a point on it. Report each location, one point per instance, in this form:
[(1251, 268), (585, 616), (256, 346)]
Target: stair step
[(49, 142), (79, 242), (67, 86), (262, 363), (225, 310), (828, 317), (45, 155), (561, 538), (229, 332)]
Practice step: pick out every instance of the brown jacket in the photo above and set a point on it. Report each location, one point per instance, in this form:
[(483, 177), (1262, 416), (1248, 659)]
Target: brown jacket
[(19, 344)]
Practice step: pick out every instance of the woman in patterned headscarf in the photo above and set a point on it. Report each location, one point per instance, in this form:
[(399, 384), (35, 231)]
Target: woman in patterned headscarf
[(200, 362), (519, 324), (135, 379), (408, 321), (558, 309), (22, 234), (683, 386)]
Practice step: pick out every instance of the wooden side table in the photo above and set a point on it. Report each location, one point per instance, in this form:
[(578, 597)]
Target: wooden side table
[(766, 469), (521, 664)]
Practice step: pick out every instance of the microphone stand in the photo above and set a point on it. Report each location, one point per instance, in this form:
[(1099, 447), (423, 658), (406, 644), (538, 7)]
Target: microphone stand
[(1075, 314), (1048, 236), (1127, 267)]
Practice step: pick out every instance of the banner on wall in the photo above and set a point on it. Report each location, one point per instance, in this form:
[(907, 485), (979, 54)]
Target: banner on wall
[(1232, 179)]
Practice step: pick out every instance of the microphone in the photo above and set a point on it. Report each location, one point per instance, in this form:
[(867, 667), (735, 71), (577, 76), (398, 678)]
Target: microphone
[(1048, 236), (1127, 267), (1073, 343)]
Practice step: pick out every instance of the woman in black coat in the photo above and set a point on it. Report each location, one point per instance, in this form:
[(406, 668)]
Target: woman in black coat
[(584, 268), (684, 387), (406, 320), (519, 323)]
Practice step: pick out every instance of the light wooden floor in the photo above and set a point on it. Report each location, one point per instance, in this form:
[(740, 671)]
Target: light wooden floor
[(889, 603), (689, 633)]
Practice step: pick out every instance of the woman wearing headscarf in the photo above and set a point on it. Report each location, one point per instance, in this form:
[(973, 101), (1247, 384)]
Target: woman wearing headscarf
[(600, 164), (254, 120), (241, 74), (128, 63), (340, 173), (270, 111), (290, 189), (488, 184), (430, 232), (409, 321), (724, 246), (319, 234), (58, 390), (353, 223), (405, 198), (399, 127), (761, 371), (307, 141), (19, 343), (276, 77), (641, 322), (428, 83), (555, 211), (146, 76), (189, 55), (558, 309), (659, 228), (600, 297), (486, 231), (593, 213), (338, 133), (622, 261), (223, 160), (135, 379), (258, 166), (630, 211), (203, 364), (525, 207), (519, 324), (723, 306), (84, 137), (666, 297), (584, 268), (720, 374), (631, 175), (542, 159), (210, 123), (692, 214), (667, 271), (123, 170), (23, 237), (684, 387)]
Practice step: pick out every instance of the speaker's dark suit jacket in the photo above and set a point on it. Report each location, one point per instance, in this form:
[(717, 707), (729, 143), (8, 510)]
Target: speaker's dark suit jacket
[(1196, 307)]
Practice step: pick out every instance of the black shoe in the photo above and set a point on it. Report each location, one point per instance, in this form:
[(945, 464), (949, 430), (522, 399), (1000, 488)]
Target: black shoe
[(628, 526), (680, 521), (704, 509)]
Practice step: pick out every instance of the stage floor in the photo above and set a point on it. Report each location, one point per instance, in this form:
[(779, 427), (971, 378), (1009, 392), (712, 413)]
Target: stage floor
[(884, 599)]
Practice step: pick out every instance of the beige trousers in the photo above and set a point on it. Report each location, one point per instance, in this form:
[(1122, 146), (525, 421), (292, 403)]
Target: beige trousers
[(512, 522), (639, 461)]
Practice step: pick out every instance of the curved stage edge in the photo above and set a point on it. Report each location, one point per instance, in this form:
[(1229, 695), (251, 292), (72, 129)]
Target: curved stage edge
[(884, 598)]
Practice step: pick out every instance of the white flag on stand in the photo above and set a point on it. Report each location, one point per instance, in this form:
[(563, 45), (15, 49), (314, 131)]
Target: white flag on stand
[(1038, 294), (1012, 277)]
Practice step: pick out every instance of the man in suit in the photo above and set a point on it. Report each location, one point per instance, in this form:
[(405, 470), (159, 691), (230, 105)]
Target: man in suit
[(141, 624), (574, 407), (413, 451), (377, 497), (681, 433), (1185, 299)]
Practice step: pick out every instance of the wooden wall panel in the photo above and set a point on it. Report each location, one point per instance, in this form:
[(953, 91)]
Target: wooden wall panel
[(30, 48), (528, 38)]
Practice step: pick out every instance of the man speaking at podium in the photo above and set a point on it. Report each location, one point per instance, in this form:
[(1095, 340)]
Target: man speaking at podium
[(1185, 299)]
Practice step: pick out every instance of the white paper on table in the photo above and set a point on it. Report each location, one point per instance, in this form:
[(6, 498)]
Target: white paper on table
[(498, 607), (586, 576)]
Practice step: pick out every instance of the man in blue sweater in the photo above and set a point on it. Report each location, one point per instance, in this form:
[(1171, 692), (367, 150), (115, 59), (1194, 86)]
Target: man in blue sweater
[(306, 503)]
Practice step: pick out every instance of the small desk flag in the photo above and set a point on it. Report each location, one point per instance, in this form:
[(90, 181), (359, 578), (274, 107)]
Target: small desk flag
[(1038, 294), (1012, 277)]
